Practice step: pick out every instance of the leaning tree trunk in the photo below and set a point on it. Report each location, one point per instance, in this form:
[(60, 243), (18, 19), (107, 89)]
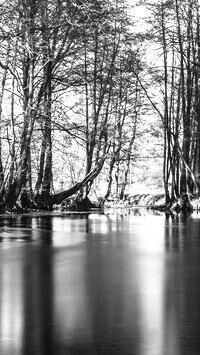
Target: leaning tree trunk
[(89, 178)]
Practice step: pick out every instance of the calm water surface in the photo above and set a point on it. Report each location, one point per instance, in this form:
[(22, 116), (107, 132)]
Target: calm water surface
[(116, 283)]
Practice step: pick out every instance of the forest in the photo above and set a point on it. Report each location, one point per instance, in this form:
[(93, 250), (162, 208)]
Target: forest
[(93, 96)]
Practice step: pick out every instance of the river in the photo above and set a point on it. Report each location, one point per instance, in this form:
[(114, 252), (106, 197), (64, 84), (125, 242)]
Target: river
[(123, 282)]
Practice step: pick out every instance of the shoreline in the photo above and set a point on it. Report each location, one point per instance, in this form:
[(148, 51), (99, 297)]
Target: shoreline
[(148, 201)]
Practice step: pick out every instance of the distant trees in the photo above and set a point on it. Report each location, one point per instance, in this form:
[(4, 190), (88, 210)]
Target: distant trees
[(65, 76)]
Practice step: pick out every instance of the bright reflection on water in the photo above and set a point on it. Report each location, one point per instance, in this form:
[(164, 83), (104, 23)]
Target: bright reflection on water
[(123, 282)]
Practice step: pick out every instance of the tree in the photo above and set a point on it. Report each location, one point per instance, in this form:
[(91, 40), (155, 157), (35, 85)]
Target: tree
[(60, 49), (175, 28)]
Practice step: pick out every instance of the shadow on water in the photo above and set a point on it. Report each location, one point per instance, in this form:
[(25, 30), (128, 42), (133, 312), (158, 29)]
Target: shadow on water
[(113, 283)]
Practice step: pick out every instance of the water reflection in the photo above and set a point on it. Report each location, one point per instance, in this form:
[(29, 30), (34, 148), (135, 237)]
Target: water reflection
[(100, 284)]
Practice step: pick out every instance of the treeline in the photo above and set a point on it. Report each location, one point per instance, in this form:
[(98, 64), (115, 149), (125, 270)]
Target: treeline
[(67, 80), (75, 86)]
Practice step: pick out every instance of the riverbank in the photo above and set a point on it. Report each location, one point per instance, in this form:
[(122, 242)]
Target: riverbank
[(156, 201), (142, 200), (150, 201)]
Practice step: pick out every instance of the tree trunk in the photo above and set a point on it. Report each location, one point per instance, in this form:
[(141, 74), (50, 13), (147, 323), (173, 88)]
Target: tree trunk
[(59, 197), (3, 83)]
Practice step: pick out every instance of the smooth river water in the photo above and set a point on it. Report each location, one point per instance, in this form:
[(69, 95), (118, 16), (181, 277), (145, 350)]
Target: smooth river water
[(123, 282)]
